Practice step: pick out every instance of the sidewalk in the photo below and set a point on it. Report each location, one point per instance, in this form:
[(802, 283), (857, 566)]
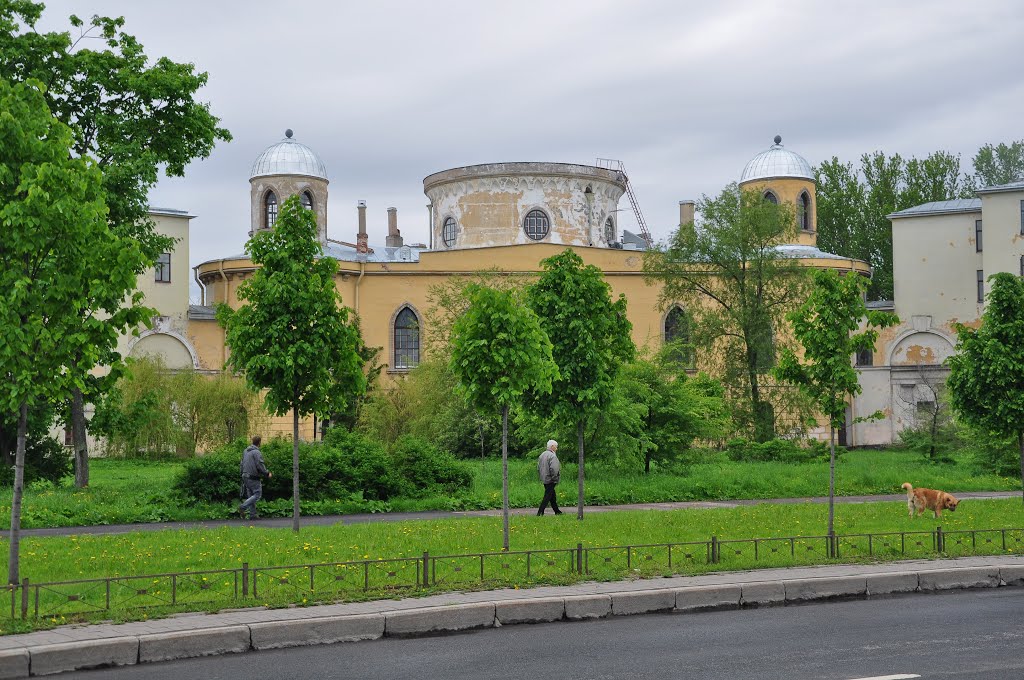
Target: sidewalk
[(89, 646), (328, 520)]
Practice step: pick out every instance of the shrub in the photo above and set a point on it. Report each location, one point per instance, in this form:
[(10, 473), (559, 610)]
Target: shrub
[(427, 469), (778, 450), (45, 459)]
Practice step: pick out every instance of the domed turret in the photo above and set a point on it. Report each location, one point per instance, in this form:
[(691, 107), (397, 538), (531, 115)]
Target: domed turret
[(288, 157), (776, 162)]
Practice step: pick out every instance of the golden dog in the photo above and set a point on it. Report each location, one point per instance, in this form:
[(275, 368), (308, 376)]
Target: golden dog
[(929, 499)]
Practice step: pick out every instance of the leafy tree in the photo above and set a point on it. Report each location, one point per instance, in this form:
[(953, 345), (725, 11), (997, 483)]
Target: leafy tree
[(825, 326), (132, 116), (854, 204), (292, 337), (499, 353), (986, 380), (737, 287), (999, 164), (590, 339), (56, 243)]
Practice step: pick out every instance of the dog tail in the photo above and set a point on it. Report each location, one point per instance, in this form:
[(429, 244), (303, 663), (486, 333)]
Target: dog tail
[(910, 489)]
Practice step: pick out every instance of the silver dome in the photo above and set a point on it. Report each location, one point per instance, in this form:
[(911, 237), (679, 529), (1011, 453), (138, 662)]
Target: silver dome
[(288, 157), (777, 162)]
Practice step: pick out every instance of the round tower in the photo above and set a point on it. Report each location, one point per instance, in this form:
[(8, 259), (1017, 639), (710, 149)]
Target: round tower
[(286, 169), (785, 177)]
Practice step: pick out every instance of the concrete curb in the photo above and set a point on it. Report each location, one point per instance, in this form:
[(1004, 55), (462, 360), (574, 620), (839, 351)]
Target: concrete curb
[(46, 659)]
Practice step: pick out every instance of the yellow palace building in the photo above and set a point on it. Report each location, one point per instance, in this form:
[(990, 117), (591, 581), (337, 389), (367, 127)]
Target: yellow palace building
[(508, 216)]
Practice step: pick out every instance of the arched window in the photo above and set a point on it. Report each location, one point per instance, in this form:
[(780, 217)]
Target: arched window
[(270, 204), (307, 200), (449, 232), (771, 197), (536, 225), (803, 211), (406, 340), (763, 346), (609, 230), (677, 336)]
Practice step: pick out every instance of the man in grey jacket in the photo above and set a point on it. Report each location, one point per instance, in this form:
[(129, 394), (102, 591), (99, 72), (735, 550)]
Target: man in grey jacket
[(549, 469), (253, 471)]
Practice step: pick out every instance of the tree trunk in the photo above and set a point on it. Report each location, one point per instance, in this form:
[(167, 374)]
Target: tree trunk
[(831, 482), (78, 437), (647, 462), (579, 475), (481, 426), (504, 477), (295, 470), (1021, 439), (14, 552)]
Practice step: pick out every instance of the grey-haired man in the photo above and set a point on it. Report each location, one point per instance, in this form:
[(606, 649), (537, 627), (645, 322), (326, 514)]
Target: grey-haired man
[(549, 469)]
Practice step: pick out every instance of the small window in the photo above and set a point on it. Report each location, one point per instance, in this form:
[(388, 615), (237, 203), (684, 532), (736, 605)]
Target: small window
[(677, 336), (771, 197), (163, 268), (449, 232), (803, 211), (536, 225), (270, 203), (977, 236), (981, 285), (609, 230), (865, 357), (307, 200), (407, 340)]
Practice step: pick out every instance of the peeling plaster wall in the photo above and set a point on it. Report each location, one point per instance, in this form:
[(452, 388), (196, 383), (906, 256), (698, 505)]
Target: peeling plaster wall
[(489, 203), (1002, 232)]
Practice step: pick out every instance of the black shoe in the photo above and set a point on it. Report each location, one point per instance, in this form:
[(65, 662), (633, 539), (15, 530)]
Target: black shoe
[(558, 512), (540, 514), (241, 512)]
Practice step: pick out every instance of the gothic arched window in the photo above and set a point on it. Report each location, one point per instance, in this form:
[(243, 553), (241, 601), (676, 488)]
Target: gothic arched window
[(270, 208), (771, 197), (803, 211), (406, 338), (609, 230), (307, 200), (677, 336)]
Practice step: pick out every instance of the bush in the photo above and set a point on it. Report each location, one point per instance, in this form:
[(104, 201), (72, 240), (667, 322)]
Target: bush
[(778, 450), (45, 459), (427, 469)]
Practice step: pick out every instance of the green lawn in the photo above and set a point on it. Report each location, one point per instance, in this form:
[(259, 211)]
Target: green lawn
[(126, 492)]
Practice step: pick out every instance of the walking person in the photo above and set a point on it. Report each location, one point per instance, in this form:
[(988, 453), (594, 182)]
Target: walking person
[(253, 471), (549, 469)]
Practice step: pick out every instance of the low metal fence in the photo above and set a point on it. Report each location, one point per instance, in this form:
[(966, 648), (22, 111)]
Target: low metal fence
[(340, 580)]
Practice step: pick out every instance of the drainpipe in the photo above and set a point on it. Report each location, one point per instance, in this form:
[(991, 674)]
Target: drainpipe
[(202, 286), (362, 270), (223, 331)]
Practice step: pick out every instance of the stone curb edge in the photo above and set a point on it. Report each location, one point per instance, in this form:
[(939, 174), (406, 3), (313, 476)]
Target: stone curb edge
[(128, 650)]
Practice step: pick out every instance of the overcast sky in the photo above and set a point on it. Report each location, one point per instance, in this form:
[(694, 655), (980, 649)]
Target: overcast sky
[(684, 93)]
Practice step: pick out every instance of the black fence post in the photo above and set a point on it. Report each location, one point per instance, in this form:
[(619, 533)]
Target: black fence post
[(24, 598), (714, 550), (579, 558), (940, 540), (426, 569), (245, 579)]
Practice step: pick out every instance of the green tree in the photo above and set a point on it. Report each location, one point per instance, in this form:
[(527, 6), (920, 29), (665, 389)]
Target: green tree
[(292, 337), (590, 337), (737, 286), (999, 164), (986, 379), (56, 243), (499, 353), (826, 326), (132, 116)]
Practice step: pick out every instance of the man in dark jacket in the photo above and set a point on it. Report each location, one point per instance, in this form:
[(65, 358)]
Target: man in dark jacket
[(549, 469), (253, 470)]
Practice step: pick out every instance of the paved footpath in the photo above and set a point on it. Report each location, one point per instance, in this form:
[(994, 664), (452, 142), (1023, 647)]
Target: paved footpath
[(328, 520), (90, 646)]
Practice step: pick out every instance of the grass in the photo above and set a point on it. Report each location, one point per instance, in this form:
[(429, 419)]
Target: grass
[(46, 559), (124, 492)]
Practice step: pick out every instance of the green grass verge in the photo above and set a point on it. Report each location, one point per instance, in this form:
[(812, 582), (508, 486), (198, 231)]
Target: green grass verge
[(86, 556)]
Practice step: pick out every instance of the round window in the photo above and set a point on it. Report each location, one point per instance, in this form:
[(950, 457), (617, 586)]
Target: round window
[(449, 231), (536, 225)]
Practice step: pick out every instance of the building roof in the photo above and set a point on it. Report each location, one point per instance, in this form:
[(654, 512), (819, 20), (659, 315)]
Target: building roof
[(288, 157), (777, 162), (172, 212), (1012, 186), (802, 252), (960, 205)]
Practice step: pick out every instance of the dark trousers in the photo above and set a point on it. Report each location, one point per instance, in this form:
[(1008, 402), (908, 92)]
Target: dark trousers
[(252, 490), (549, 497)]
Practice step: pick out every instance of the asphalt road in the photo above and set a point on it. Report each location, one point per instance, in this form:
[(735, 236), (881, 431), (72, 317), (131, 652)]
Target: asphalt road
[(968, 635)]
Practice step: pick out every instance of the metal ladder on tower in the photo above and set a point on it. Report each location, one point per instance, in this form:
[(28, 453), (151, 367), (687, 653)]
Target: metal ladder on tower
[(619, 166)]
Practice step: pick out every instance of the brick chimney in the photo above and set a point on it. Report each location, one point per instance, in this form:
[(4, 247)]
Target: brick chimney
[(362, 240), (686, 212), (394, 239)]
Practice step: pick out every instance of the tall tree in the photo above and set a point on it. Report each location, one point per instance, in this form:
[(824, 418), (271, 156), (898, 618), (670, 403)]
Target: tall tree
[(986, 379), (132, 116), (999, 164), (590, 336), (293, 337), (737, 286), (56, 244), (826, 326), (499, 353)]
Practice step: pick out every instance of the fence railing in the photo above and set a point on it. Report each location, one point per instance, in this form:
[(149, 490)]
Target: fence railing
[(339, 580)]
